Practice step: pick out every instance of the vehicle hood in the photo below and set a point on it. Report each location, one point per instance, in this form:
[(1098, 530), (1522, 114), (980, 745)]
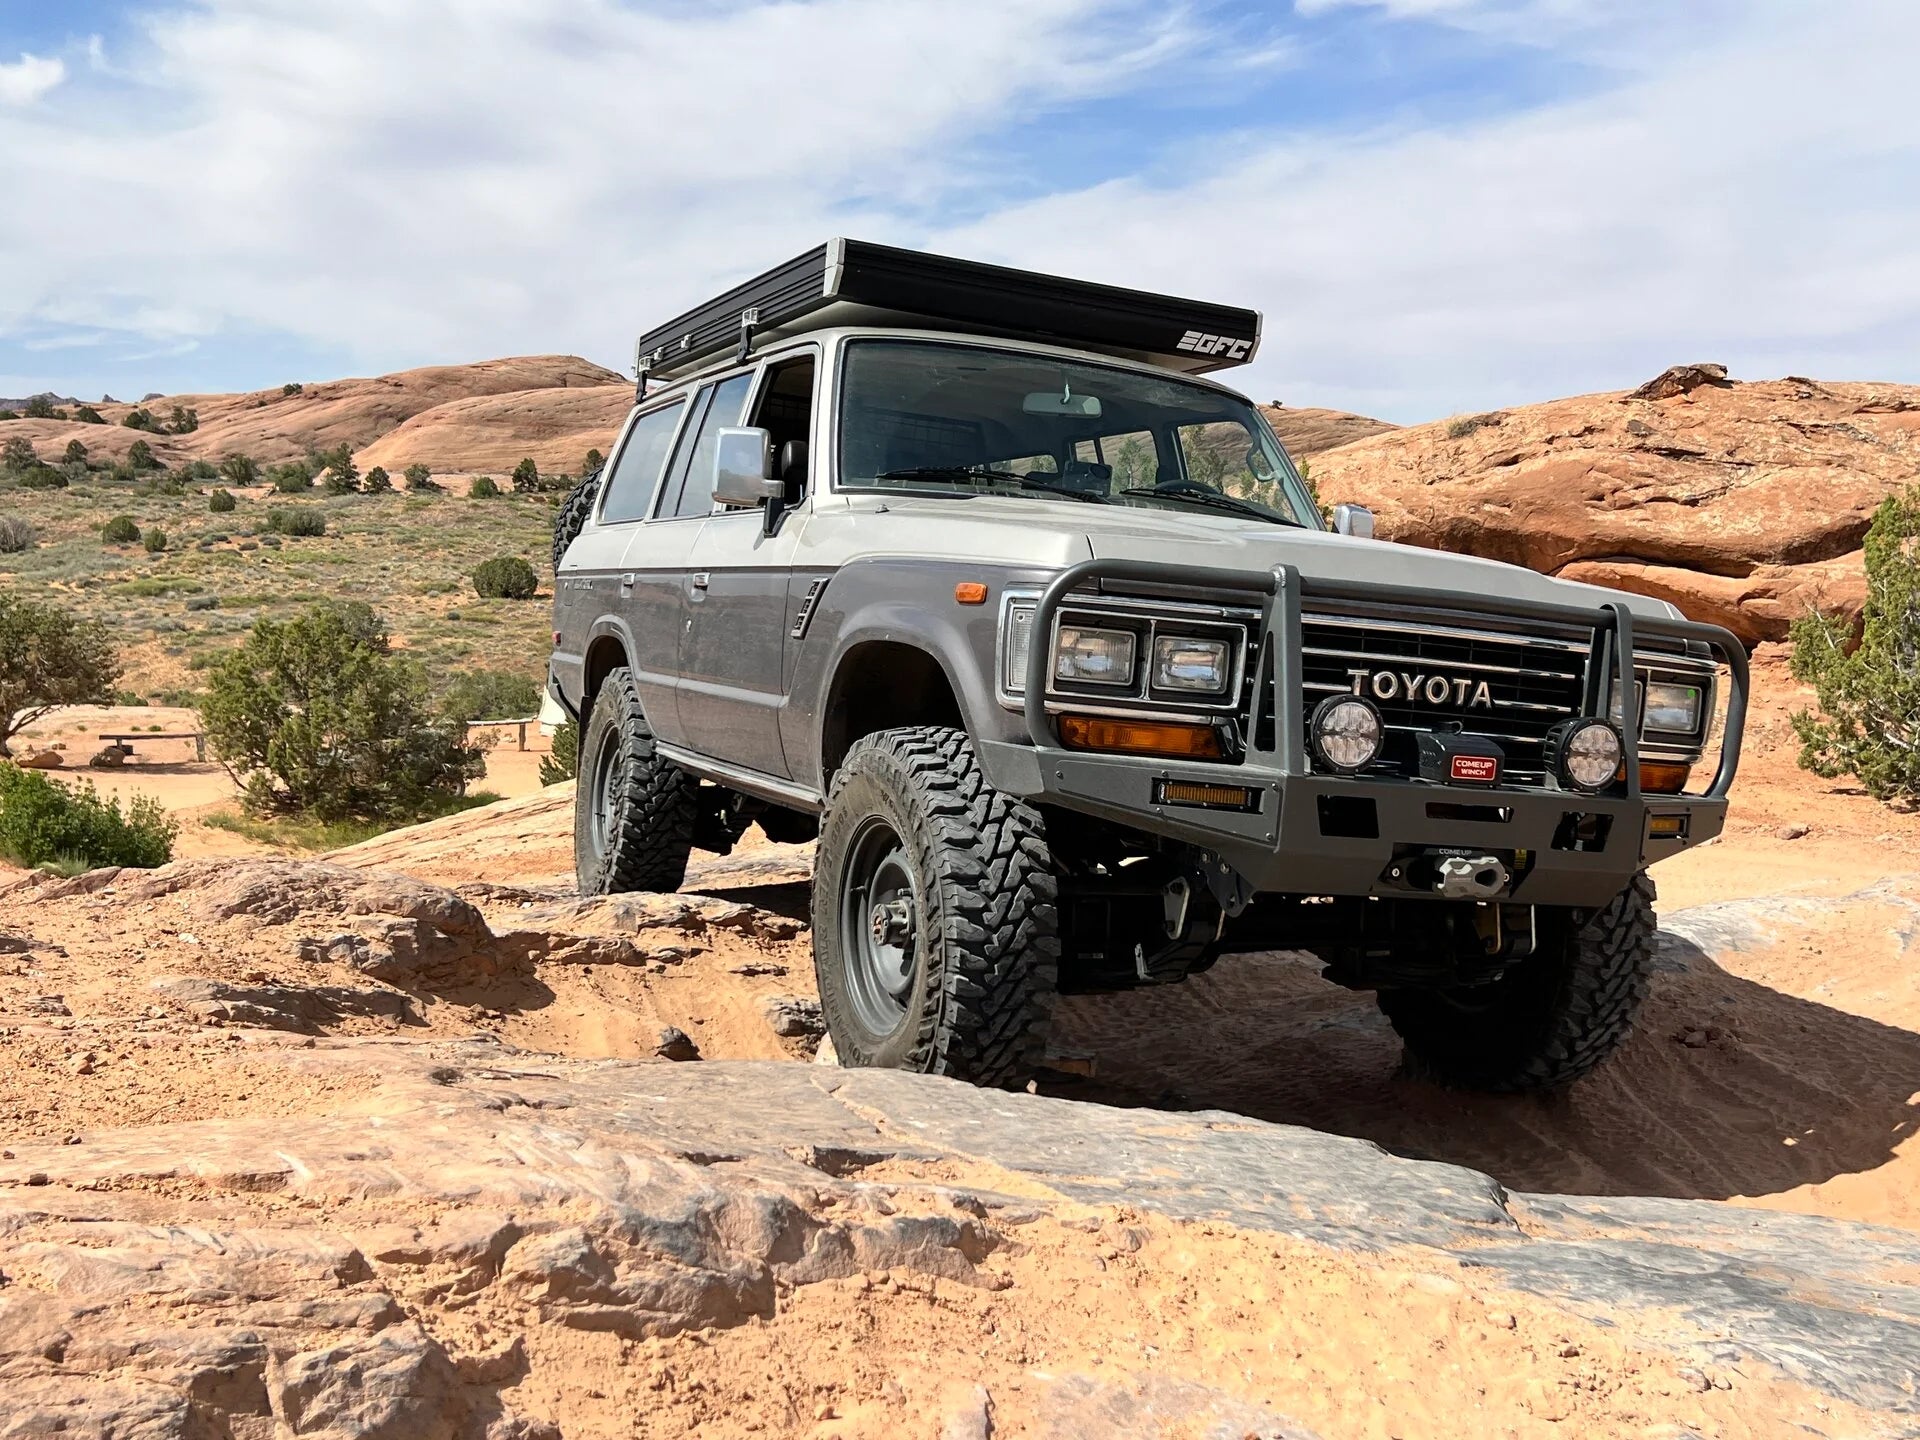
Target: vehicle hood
[(1023, 530)]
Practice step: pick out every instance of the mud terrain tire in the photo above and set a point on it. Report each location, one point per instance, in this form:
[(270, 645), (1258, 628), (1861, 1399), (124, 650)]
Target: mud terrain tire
[(633, 812), (571, 517), (1549, 1020), (963, 876)]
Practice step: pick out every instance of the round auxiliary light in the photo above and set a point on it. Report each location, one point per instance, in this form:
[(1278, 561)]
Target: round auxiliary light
[(1346, 733), (1586, 754)]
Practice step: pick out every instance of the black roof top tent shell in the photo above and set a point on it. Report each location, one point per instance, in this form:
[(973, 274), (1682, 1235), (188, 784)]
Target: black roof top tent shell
[(852, 282)]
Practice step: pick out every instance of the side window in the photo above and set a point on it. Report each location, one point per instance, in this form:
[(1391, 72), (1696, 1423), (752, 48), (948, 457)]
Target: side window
[(696, 472), (1217, 456), (785, 412), (1133, 458), (636, 469)]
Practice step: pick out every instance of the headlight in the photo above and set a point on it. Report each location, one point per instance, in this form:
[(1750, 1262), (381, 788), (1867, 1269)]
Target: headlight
[(1198, 667), (1094, 657), (1673, 707)]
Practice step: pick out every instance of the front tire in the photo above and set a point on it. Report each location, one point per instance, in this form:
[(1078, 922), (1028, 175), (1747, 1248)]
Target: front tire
[(1550, 1019), (935, 936), (633, 812)]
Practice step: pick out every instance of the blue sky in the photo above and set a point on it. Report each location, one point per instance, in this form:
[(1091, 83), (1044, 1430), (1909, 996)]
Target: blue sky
[(1440, 205)]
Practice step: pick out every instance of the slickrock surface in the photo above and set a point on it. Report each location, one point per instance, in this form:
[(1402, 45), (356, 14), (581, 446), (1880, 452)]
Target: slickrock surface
[(1744, 504)]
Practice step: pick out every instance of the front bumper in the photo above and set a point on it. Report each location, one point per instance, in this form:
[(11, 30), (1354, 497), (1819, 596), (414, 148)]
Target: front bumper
[(1319, 834)]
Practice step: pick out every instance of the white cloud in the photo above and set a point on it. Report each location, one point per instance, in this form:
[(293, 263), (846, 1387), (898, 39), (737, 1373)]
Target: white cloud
[(28, 78)]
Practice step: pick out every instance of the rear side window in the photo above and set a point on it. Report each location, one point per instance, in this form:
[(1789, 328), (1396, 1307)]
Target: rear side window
[(636, 469), (696, 475)]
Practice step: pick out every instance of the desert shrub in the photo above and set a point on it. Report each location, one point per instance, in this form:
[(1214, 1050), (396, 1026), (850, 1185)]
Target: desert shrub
[(76, 454), (564, 761), (296, 521), (120, 530), (317, 716), (49, 658), (9, 414), (220, 502), (526, 477), (140, 418), (183, 421), (290, 389), (87, 415), (489, 695), (378, 482), (141, 457), (337, 482), (18, 455), (40, 407), (484, 489), (505, 577), (44, 477), (293, 478), (1869, 720), (44, 822), (16, 535), (419, 478), (592, 463), (240, 470), (200, 470), (154, 540)]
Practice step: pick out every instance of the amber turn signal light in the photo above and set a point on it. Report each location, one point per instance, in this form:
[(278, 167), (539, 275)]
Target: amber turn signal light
[(1177, 740), (1661, 777), (970, 592)]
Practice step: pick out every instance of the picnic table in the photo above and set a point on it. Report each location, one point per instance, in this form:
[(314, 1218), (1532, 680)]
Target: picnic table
[(198, 738)]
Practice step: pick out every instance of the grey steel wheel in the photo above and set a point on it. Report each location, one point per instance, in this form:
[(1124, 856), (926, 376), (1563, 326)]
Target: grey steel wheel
[(879, 924)]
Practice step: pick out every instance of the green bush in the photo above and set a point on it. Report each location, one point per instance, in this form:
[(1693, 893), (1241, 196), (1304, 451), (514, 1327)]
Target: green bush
[(40, 407), (318, 717), (296, 522), (44, 477), (505, 577), (141, 457), (120, 530), (183, 421), (220, 502), (76, 454), (18, 455), (9, 414), (592, 463), (87, 415), (140, 418), (290, 389), (339, 482), (378, 482), (155, 540), (489, 695), (43, 822), (49, 658), (1869, 725), (564, 761), (240, 470), (16, 535), (420, 478), (483, 488), (526, 477), (293, 478), (200, 470)]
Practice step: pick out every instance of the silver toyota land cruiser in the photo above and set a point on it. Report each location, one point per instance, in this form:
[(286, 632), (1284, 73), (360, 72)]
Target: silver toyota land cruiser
[(967, 572)]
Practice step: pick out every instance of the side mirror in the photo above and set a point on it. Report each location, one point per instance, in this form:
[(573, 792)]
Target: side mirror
[(743, 468), (1354, 520)]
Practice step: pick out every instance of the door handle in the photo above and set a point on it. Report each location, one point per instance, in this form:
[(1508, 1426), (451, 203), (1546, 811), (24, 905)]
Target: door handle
[(702, 579)]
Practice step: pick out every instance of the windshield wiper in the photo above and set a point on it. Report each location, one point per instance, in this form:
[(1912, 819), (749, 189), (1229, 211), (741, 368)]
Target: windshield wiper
[(962, 472), (1200, 495)]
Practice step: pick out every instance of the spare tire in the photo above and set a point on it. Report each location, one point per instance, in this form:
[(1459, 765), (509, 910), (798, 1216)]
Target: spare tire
[(571, 518)]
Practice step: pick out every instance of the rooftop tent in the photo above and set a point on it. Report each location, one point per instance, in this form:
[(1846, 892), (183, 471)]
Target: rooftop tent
[(852, 282)]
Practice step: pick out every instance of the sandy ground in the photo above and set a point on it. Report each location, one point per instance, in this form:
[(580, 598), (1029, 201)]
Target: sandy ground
[(1786, 1075)]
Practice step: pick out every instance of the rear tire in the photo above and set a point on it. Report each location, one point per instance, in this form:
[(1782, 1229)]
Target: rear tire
[(935, 936), (1551, 1019), (633, 812)]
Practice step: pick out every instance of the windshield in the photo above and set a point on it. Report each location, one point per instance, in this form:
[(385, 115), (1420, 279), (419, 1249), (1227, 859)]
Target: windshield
[(966, 420)]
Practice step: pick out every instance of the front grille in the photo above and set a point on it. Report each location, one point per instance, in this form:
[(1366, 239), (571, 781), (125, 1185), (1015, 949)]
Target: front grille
[(1533, 679)]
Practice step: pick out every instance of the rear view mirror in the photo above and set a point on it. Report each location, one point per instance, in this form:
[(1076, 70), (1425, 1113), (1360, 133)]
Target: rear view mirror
[(1067, 404), (743, 467), (1354, 520)]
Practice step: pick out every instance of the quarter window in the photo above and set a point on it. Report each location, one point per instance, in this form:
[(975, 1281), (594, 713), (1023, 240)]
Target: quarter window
[(636, 469)]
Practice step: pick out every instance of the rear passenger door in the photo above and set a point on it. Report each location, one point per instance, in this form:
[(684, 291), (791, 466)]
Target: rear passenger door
[(649, 613)]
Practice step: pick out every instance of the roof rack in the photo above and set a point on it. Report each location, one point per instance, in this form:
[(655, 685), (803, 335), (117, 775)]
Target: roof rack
[(853, 282)]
